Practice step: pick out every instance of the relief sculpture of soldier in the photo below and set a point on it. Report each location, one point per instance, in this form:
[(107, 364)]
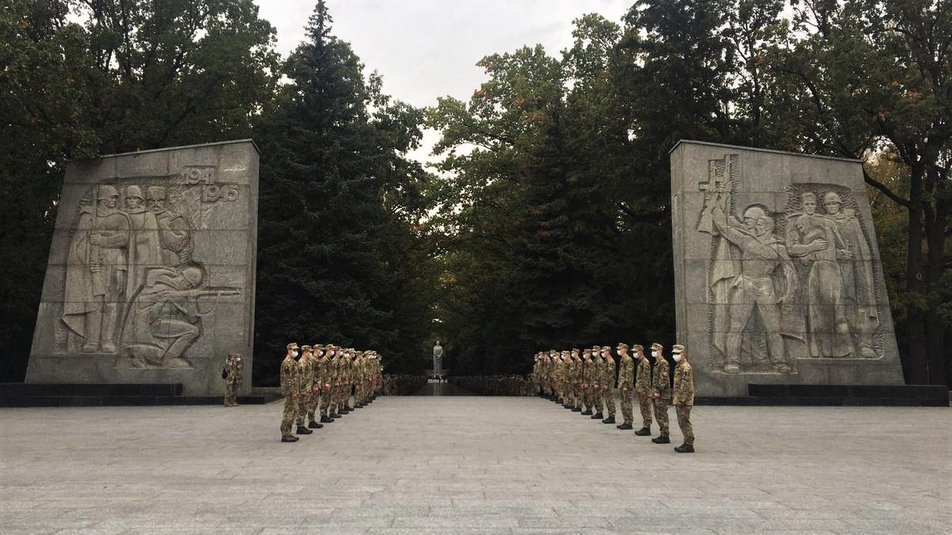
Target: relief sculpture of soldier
[(751, 271), (132, 287), (96, 273)]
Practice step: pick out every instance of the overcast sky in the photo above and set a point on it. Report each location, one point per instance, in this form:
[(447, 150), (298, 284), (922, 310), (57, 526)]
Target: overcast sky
[(425, 49)]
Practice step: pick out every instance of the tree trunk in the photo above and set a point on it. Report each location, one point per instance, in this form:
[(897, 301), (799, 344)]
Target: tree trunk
[(935, 261), (915, 355)]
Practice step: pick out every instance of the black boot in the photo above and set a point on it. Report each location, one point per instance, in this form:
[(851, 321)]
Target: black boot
[(335, 415), (587, 412), (325, 419), (609, 420), (685, 448), (576, 409), (597, 416), (625, 426), (289, 438), (644, 432), (663, 439), (301, 430), (314, 425)]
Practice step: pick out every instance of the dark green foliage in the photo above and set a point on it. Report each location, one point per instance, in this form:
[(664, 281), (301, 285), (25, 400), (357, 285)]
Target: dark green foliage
[(338, 261)]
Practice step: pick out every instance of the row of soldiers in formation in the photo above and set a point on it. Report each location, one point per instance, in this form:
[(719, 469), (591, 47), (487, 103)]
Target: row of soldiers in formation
[(585, 382), (322, 382)]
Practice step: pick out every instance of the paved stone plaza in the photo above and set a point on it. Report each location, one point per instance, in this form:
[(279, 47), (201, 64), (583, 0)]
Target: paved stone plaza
[(473, 465)]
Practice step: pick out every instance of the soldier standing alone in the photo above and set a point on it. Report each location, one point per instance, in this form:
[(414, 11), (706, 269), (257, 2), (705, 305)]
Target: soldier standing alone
[(643, 390), (290, 383), (232, 376), (662, 389), (683, 397)]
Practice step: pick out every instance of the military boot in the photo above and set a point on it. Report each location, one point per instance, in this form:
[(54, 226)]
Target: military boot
[(335, 415), (587, 412), (662, 439), (625, 426), (609, 420), (644, 432), (576, 409), (685, 448), (314, 425), (301, 430), (289, 438), (325, 419), (597, 416)]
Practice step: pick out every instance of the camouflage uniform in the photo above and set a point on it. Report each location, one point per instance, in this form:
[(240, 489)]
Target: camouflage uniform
[(588, 396), (643, 388), (290, 382), (608, 383), (576, 382), (626, 379), (306, 364), (598, 372), (233, 369), (324, 372), (661, 381), (684, 396)]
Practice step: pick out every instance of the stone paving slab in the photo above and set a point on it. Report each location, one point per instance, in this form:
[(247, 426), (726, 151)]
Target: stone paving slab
[(473, 465)]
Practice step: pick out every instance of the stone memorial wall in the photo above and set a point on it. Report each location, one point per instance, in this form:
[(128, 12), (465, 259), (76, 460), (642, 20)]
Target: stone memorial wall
[(151, 274), (777, 270)]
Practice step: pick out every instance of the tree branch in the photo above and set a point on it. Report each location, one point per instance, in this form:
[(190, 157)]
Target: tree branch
[(884, 189)]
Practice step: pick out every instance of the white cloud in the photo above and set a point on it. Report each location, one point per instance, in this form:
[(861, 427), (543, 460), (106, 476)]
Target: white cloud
[(429, 48)]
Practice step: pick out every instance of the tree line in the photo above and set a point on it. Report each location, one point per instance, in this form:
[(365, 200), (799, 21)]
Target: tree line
[(546, 219)]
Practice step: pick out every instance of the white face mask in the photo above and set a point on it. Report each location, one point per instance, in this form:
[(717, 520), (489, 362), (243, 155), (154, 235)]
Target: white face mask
[(677, 358), (294, 353), (654, 354)]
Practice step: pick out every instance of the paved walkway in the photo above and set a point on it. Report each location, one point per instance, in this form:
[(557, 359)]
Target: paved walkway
[(417, 465)]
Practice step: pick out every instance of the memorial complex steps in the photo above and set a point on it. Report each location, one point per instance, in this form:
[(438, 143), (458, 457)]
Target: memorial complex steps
[(836, 395), (88, 395)]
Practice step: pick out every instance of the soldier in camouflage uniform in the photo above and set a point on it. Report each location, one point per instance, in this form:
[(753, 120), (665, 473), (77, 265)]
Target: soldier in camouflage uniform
[(588, 395), (608, 382), (643, 390), (335, 376), (683, 397), (566, 379), (661, 381), (316, 387), (305, 384), (290, 383), (598, 376), (233, 375), (626, 381), (324, 372), (576, 381)]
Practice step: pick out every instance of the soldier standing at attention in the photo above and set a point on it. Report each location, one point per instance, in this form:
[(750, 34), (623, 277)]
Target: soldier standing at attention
[(324, 372), (683, 397), (577, 380), (232, 376), (662, 387), (626, 380), (314, 390), (608, 379), (290, 381), (305, 382), (643, 390), (587, 396), (598, 374)]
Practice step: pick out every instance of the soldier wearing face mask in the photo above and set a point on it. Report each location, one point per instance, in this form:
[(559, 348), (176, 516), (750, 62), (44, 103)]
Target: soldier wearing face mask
[(643, 390), (290, 385), (683, 397), (661, 381)]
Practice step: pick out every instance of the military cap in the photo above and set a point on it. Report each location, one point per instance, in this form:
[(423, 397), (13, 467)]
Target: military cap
[(622, 345), (293, 345), (677, 348), (656, 347), (638, 347), (319, 346), (305, 348)]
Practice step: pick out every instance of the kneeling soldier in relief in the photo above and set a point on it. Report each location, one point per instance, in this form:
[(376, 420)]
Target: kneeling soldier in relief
[(683, 397)]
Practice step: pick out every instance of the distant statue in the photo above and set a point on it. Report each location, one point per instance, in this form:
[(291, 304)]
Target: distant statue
[(438, 360)]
